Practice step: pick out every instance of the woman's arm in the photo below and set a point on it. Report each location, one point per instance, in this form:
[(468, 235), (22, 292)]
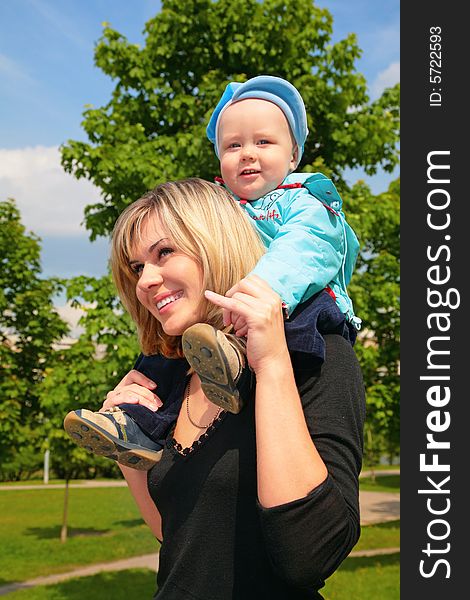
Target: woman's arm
[(309, 538), (137, 482), (309, 443), (288, 463), (135, 388)]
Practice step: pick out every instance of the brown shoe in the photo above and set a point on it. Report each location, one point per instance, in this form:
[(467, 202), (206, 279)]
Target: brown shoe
[(115, 435), (218, 359)]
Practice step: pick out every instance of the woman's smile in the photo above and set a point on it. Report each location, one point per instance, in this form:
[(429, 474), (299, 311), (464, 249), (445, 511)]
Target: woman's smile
[(170, 281), (163, 301)]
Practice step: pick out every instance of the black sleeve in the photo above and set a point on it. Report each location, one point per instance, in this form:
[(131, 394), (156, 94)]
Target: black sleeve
[(138, 362), (308, 538)]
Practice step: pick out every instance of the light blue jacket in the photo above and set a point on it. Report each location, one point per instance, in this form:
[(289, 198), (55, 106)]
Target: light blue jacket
[(310, 244)]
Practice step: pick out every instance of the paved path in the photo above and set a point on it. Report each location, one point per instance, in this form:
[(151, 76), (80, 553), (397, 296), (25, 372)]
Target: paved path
[(148, 561), (92, 483), (376, 507), (57, 486)]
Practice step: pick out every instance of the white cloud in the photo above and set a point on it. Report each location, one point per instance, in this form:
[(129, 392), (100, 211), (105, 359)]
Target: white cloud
[(60, 22), (71, 316), (51, 201), (384, 42), (12, 72), (387, 78)]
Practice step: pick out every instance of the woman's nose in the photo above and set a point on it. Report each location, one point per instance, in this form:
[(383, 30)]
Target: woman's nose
[(151, 276)]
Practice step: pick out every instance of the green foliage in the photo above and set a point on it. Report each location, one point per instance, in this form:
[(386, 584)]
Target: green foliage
[(29, 326), (41, 381), (375, 289), (153, 128), (82, 374)]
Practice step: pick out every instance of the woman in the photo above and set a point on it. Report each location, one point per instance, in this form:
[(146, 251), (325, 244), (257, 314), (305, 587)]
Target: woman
[(263, 504)]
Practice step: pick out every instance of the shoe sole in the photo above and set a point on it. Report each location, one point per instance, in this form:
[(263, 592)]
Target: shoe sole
[(202, 350), (94, 439)]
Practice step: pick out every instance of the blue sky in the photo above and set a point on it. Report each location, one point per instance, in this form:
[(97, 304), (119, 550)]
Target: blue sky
[(47, 76)]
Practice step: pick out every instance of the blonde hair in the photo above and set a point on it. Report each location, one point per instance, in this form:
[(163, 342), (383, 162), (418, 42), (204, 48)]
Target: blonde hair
[(204, 222)]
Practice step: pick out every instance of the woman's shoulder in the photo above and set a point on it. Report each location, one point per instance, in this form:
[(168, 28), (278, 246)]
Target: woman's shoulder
[(336, 381), (338, 346)]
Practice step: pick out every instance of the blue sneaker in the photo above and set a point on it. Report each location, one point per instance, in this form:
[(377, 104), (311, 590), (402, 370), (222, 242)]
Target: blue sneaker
[(115, 435)]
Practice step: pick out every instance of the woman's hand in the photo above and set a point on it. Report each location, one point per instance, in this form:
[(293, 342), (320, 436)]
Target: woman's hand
[(134, 388), (254, 301), (281, 429)]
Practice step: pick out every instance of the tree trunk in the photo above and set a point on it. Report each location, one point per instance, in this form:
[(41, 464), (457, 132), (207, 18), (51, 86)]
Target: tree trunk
[(63, 531), (372, 468)]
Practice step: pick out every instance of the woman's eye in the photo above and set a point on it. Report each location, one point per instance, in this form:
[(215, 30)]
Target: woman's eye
[(164, 252), (137, 268)]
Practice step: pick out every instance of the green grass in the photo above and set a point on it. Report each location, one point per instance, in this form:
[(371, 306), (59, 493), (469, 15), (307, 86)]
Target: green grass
[(381, 535), (39, 482), (357, 579), (104, 525), (374, 578), (380, 467), (118, 585), (383, 483)]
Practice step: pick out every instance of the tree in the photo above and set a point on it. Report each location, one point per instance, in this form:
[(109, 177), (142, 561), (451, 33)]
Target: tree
[(153, 128), (29, 326), (82, 374), (376, 291)]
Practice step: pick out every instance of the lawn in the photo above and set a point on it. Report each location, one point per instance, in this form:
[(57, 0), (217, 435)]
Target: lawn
[(380, 535), (371, 578), (382, 483), (365, 578), (374, 577), (104, 525), (133, 584)]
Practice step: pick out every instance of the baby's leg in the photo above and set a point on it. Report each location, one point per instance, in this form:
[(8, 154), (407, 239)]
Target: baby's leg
[(310, 321), (114, 434), (132, 434), (220, 361)]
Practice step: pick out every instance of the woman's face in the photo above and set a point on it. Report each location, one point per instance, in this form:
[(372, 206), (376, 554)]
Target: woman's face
[(170, 282)]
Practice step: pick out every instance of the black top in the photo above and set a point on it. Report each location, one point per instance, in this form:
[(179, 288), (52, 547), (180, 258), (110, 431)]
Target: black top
[(219, 543)]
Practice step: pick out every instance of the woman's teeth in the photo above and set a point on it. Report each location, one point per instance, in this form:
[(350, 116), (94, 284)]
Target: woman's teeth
[(168, 299)]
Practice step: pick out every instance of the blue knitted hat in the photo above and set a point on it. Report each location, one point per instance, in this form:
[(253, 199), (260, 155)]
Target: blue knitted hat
[(265, 87)]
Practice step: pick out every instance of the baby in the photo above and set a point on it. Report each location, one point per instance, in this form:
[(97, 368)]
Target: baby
[(258, 129)]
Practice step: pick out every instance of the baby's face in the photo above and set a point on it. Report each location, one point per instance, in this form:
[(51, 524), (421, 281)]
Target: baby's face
[(256, 148)]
